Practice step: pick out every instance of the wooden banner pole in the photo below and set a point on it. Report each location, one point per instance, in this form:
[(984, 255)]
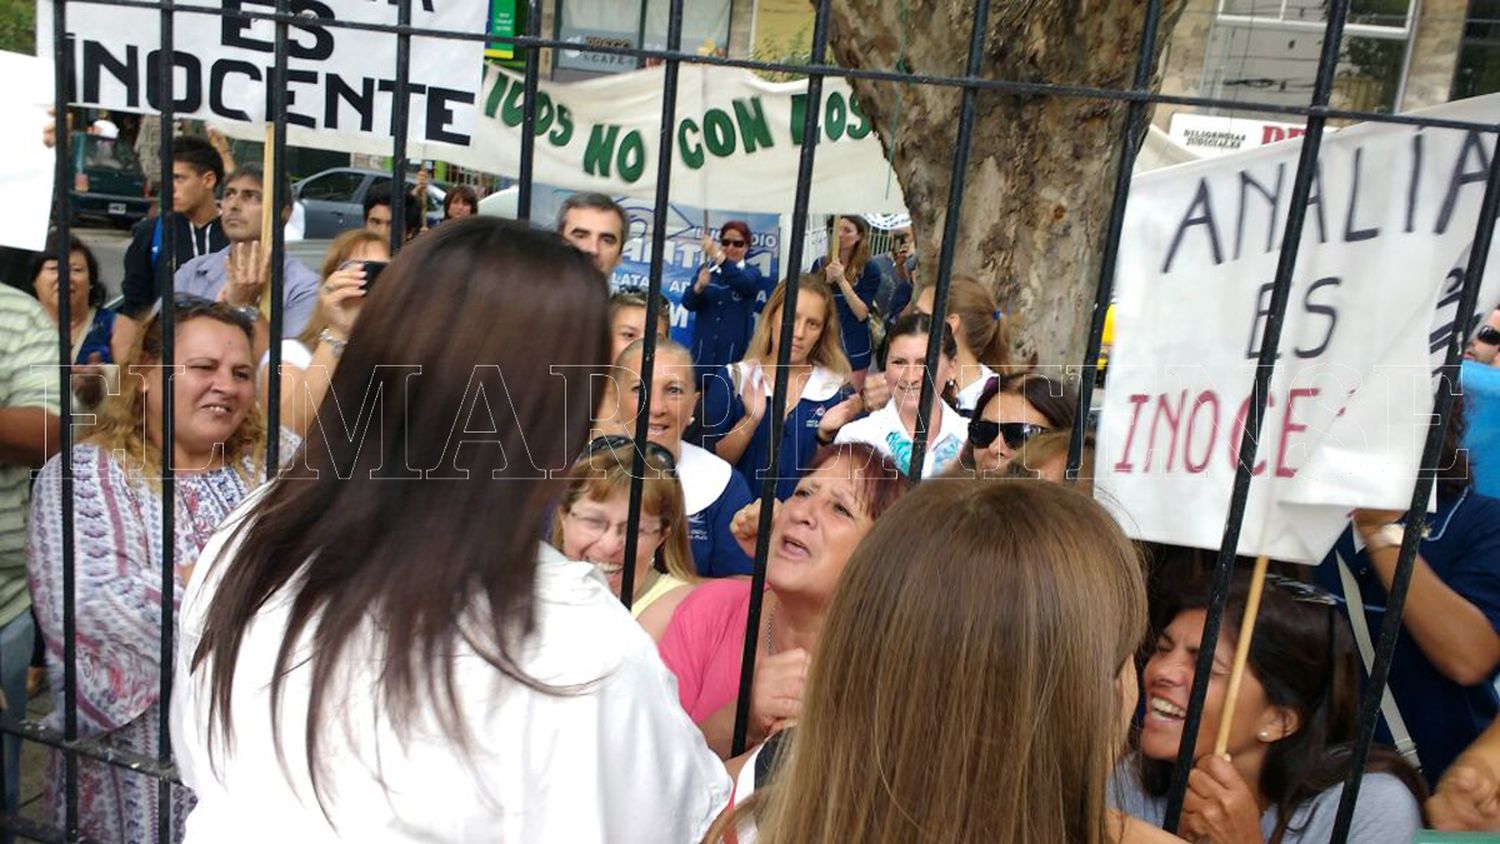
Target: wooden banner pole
[(1241, 654)]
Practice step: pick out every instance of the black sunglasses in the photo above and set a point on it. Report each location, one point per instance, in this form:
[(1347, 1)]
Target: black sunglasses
[(612, 442), (728, 242), (982, 432), (1488, 334)]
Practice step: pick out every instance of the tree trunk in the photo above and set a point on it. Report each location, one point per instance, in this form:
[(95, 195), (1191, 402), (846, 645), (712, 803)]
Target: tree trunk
[(1041, 168)]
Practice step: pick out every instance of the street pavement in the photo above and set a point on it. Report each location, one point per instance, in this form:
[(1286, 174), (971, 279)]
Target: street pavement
[(109, 244)]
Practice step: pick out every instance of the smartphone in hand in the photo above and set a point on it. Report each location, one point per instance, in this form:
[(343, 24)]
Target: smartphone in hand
[(372, 271)]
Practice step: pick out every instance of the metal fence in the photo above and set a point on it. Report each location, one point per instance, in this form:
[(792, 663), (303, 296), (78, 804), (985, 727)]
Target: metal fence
[(1136, 99)]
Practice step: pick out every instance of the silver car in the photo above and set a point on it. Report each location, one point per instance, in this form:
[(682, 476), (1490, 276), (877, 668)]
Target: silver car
[(335, 199)]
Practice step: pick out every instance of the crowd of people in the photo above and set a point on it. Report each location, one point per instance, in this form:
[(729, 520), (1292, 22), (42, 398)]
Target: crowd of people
[(414, 628)]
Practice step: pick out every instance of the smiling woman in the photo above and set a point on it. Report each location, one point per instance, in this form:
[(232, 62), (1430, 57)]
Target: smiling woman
[(218, 436), (1288, 751)]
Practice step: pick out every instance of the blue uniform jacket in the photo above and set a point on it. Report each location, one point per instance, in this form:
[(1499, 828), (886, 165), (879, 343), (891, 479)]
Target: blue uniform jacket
[(725, 314), (712, 493), (724, 407)]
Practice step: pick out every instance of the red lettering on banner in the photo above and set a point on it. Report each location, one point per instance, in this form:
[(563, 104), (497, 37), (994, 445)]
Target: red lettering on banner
[(1238, 433), (1124, 464), (1204, 398), (1288, 427), (1174, 419)]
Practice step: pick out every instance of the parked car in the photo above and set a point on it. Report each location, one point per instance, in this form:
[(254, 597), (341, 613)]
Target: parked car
[(335, 199), (108, 183)]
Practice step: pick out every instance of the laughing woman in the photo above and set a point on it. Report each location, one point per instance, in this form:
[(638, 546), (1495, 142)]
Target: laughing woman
[(1294, 724), (712, 490), (892, 428), (592, 518)]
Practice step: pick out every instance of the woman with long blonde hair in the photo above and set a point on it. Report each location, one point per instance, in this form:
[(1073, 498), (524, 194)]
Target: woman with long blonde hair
[(737, 398), (217, 457), (974, 679)]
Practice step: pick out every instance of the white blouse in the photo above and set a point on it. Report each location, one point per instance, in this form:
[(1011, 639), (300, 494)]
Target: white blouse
[(616, 759)]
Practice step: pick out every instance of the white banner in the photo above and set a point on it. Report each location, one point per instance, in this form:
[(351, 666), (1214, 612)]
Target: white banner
[(736, 143), (1389, 224), (338, 80), (27, 166)]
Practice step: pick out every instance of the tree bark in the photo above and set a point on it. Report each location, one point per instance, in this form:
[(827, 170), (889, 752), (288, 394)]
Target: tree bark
[(1041, 168)]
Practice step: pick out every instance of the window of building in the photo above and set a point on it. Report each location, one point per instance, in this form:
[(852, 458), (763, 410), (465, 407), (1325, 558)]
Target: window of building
[(1267, 51)]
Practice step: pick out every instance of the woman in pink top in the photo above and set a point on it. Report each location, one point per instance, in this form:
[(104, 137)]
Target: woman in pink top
[(812, 535)]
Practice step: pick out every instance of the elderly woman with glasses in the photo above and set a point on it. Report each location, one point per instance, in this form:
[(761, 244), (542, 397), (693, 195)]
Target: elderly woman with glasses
[(1010, 411), (1292, 734), (725, 298)]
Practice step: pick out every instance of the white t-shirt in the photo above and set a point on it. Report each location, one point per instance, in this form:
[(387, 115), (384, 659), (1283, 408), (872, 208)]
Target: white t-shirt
[(883, 430), (293, 353), (969, 396), (617, 760)]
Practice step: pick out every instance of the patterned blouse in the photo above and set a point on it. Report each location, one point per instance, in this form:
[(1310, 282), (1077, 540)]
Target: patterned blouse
[(117, 570)]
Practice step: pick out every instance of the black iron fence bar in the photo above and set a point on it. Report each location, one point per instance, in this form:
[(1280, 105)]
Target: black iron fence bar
[(1135, 119), (1286, 263), (400, 100), (165, 212), (1449, 390), (1000, 85), (93, 748), (659, 213), (777, 415), (62, 51), (274, 195), (528, 118), (949, 246)]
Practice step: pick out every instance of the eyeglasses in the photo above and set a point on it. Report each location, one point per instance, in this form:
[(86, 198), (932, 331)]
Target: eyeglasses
[(982, 432), (611, 442), (1488, 335), (727, 242), (591, 528)]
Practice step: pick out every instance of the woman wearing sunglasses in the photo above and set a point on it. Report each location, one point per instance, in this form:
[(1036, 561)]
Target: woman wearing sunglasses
[(1011, 411), (592, 519), (724, 298), (1293, 727)]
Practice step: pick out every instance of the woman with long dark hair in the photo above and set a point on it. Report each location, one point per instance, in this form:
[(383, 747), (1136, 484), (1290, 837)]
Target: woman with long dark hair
[(1008, 412), (855, 281), (892, 428), (93, 328), (1293, 728), (382, 648)]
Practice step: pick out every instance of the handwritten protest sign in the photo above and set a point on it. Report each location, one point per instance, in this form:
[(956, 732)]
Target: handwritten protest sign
[(338, 79), (1389, 224)]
